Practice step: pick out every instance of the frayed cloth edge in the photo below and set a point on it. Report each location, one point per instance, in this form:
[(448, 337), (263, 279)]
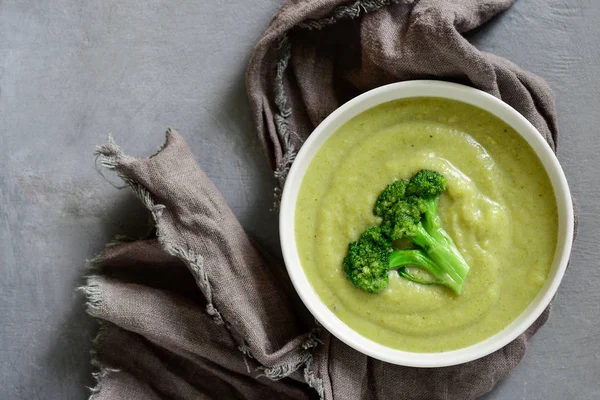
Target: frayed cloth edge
[(113, 158), (283, 55)]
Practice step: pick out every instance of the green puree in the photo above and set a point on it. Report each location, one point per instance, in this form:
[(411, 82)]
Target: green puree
[(499, 208)]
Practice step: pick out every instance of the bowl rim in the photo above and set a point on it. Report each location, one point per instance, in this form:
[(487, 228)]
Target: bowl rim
[(411, 89)]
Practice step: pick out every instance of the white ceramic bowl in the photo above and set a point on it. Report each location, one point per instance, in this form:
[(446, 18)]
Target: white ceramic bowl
[(425, 89)]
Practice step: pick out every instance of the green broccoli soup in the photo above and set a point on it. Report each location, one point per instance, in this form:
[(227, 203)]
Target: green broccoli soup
[(498, 209)]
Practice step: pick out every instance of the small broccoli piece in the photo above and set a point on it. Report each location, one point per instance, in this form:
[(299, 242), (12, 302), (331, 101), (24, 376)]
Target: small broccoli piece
[(423, 190), (390, 196), (426, 184), (371, 258), (401, 218), (366, 265), (376, 236), (414, 216)]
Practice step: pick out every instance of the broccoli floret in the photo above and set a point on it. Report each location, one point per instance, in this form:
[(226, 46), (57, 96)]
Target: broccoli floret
[(371, 258), (401, 218), (408, 209), (366, 265), (390, 196), (426, 184)]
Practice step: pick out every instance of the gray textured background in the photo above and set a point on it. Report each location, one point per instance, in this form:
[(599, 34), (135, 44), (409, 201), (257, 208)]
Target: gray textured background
[(73, 71)]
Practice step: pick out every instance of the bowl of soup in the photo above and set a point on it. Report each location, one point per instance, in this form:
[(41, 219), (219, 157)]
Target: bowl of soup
[(507, 208)]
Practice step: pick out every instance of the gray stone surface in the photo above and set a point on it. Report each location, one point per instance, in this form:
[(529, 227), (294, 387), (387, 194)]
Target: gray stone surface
[(73, 71)]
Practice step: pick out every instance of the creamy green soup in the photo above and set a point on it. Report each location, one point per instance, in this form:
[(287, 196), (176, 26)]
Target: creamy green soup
[(499, 208)]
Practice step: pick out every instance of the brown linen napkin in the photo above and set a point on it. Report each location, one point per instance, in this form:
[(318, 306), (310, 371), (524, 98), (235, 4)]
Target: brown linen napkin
[(316, 55), (199, 311)]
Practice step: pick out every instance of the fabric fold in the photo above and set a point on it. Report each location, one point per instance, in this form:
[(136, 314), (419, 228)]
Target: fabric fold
[(238, 299), (315, 56)]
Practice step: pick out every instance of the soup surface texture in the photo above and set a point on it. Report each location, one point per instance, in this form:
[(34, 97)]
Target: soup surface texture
[(499, 208)]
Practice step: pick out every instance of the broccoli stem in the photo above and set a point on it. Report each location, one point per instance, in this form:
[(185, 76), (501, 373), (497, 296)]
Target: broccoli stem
[(442, 251), (432, 223), (401, 258), (431, 220), (403, 272)]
